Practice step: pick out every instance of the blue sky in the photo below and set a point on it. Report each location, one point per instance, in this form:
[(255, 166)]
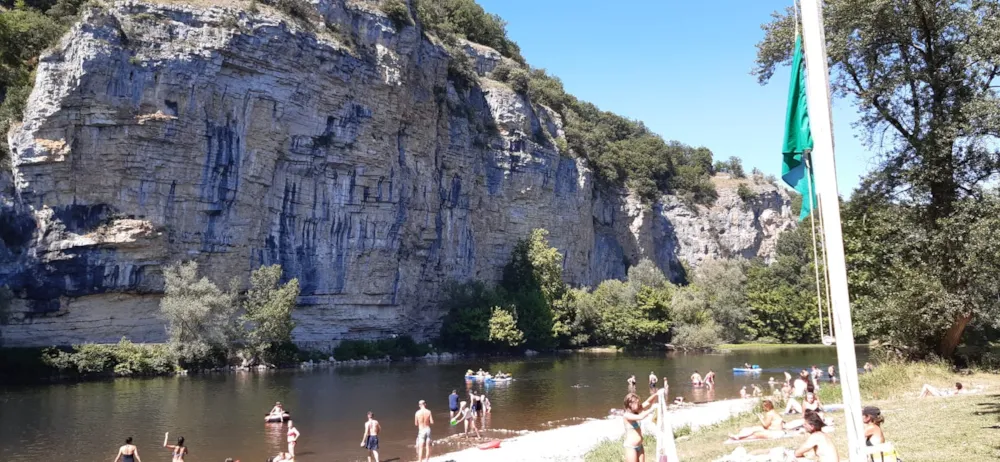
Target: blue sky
[(680, 66)]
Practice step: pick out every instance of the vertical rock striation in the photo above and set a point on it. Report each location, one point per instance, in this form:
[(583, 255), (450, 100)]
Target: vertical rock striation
[(338, 148)]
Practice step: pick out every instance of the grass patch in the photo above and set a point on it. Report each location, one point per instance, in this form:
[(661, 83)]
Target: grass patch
[(960, 428)]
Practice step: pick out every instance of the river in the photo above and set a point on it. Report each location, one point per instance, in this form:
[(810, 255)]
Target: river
[(221, 415)]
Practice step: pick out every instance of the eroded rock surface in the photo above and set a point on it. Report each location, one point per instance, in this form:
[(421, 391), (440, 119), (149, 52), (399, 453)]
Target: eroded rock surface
[(338, 149)]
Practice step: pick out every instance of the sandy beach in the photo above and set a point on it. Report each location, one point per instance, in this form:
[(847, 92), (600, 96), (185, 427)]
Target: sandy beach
[(571, 443)]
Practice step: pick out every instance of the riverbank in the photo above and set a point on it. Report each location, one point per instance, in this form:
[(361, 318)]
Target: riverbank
[(959, 428), (573, 442)]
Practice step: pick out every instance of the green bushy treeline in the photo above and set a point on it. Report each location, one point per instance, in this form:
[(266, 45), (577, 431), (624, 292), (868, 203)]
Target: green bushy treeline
[(395, 348), (724, 301), (26, 28)]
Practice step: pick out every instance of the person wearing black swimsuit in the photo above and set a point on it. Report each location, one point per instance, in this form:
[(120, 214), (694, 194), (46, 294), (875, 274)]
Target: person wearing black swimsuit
[(128, 452)]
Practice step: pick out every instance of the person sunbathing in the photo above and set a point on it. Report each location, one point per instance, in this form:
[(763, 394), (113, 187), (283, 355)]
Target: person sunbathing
[(928, 390), (818, 445), (771, 426)]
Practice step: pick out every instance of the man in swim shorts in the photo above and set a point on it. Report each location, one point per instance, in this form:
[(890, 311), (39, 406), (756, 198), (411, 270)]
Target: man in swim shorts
[(423, 421), (453, 404), (369, 440)]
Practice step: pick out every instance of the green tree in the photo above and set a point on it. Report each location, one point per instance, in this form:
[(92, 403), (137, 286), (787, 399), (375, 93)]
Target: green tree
[(782, 295), (267, 312), (503, 328), (691, 312), (533, 277), (201, 318), (726, 298), (468, 308), (923, 75)]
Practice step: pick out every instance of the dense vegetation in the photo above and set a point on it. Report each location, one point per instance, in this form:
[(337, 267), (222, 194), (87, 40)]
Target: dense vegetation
[(921, 231), (725, 301), (24, 32)]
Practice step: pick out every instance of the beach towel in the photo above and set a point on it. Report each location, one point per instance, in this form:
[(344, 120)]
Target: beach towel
[(666, 448), (788, 434)]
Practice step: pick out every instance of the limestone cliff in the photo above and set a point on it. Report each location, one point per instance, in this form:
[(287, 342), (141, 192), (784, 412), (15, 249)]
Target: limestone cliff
[(337, 147)]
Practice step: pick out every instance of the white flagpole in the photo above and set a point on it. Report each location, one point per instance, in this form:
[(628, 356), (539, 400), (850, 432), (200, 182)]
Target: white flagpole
[(821, 125)]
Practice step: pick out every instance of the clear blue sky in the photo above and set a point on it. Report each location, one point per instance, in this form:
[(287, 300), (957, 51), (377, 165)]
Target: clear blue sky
[(680, 66)]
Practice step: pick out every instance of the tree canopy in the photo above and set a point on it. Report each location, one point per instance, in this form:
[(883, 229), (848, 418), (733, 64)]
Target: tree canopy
[(923, 76)]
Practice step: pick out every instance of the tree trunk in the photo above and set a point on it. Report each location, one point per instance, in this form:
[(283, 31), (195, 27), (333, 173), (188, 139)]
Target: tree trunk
[(954, 334)]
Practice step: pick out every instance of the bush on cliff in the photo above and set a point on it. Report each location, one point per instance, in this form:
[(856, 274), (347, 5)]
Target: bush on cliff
[(398, 13), (466, 19)]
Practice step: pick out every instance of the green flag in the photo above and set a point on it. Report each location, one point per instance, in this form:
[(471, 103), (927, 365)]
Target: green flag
[(798, 138)]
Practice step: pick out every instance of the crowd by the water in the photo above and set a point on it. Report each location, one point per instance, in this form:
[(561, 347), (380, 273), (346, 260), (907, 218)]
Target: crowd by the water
[(799, 393)]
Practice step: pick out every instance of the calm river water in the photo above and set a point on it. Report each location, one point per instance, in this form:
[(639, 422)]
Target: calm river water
[(222, 415)]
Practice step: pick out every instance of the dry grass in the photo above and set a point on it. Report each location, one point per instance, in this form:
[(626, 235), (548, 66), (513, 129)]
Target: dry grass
[(961, 428)]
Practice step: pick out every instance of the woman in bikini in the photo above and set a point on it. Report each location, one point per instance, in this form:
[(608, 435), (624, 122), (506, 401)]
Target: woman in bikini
[(634, 413), (177, 451), (771, 426), (128, 452), (293, 437)]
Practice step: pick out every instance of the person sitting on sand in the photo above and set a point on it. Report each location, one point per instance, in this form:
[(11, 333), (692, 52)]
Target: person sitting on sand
[(818, 445), (928, 390), (632, 418), (771, 426), (869, 367), (872, 418), (696, 379)]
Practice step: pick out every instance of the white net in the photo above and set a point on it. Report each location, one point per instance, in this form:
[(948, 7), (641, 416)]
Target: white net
[(666, 449)]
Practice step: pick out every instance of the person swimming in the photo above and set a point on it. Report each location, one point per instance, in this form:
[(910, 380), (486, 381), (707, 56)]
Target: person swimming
[(128, 452)]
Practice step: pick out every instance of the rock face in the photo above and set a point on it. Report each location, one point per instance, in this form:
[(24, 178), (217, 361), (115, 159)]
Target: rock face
[(338, 148)]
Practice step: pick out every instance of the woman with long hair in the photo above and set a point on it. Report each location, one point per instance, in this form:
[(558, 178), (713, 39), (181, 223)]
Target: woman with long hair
[(635, 412), (177, 451)]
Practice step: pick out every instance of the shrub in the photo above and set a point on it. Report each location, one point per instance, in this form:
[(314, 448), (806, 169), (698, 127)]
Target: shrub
[(467, 19), (395, 348), (300, 10), (267, 313), (503, 328), (745, 193), (398, 13), (460, 69), (122, 359)]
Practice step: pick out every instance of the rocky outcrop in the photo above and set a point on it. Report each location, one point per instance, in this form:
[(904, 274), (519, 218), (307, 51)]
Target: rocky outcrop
[(337, 147)]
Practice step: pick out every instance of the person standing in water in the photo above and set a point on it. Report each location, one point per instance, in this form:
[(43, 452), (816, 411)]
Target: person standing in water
[(696, 379), (453, 404), (128, 452), (631, 384), (652, 382), (710, 379), (369, 440), (423, 421), (177, 451), (293, 438)]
